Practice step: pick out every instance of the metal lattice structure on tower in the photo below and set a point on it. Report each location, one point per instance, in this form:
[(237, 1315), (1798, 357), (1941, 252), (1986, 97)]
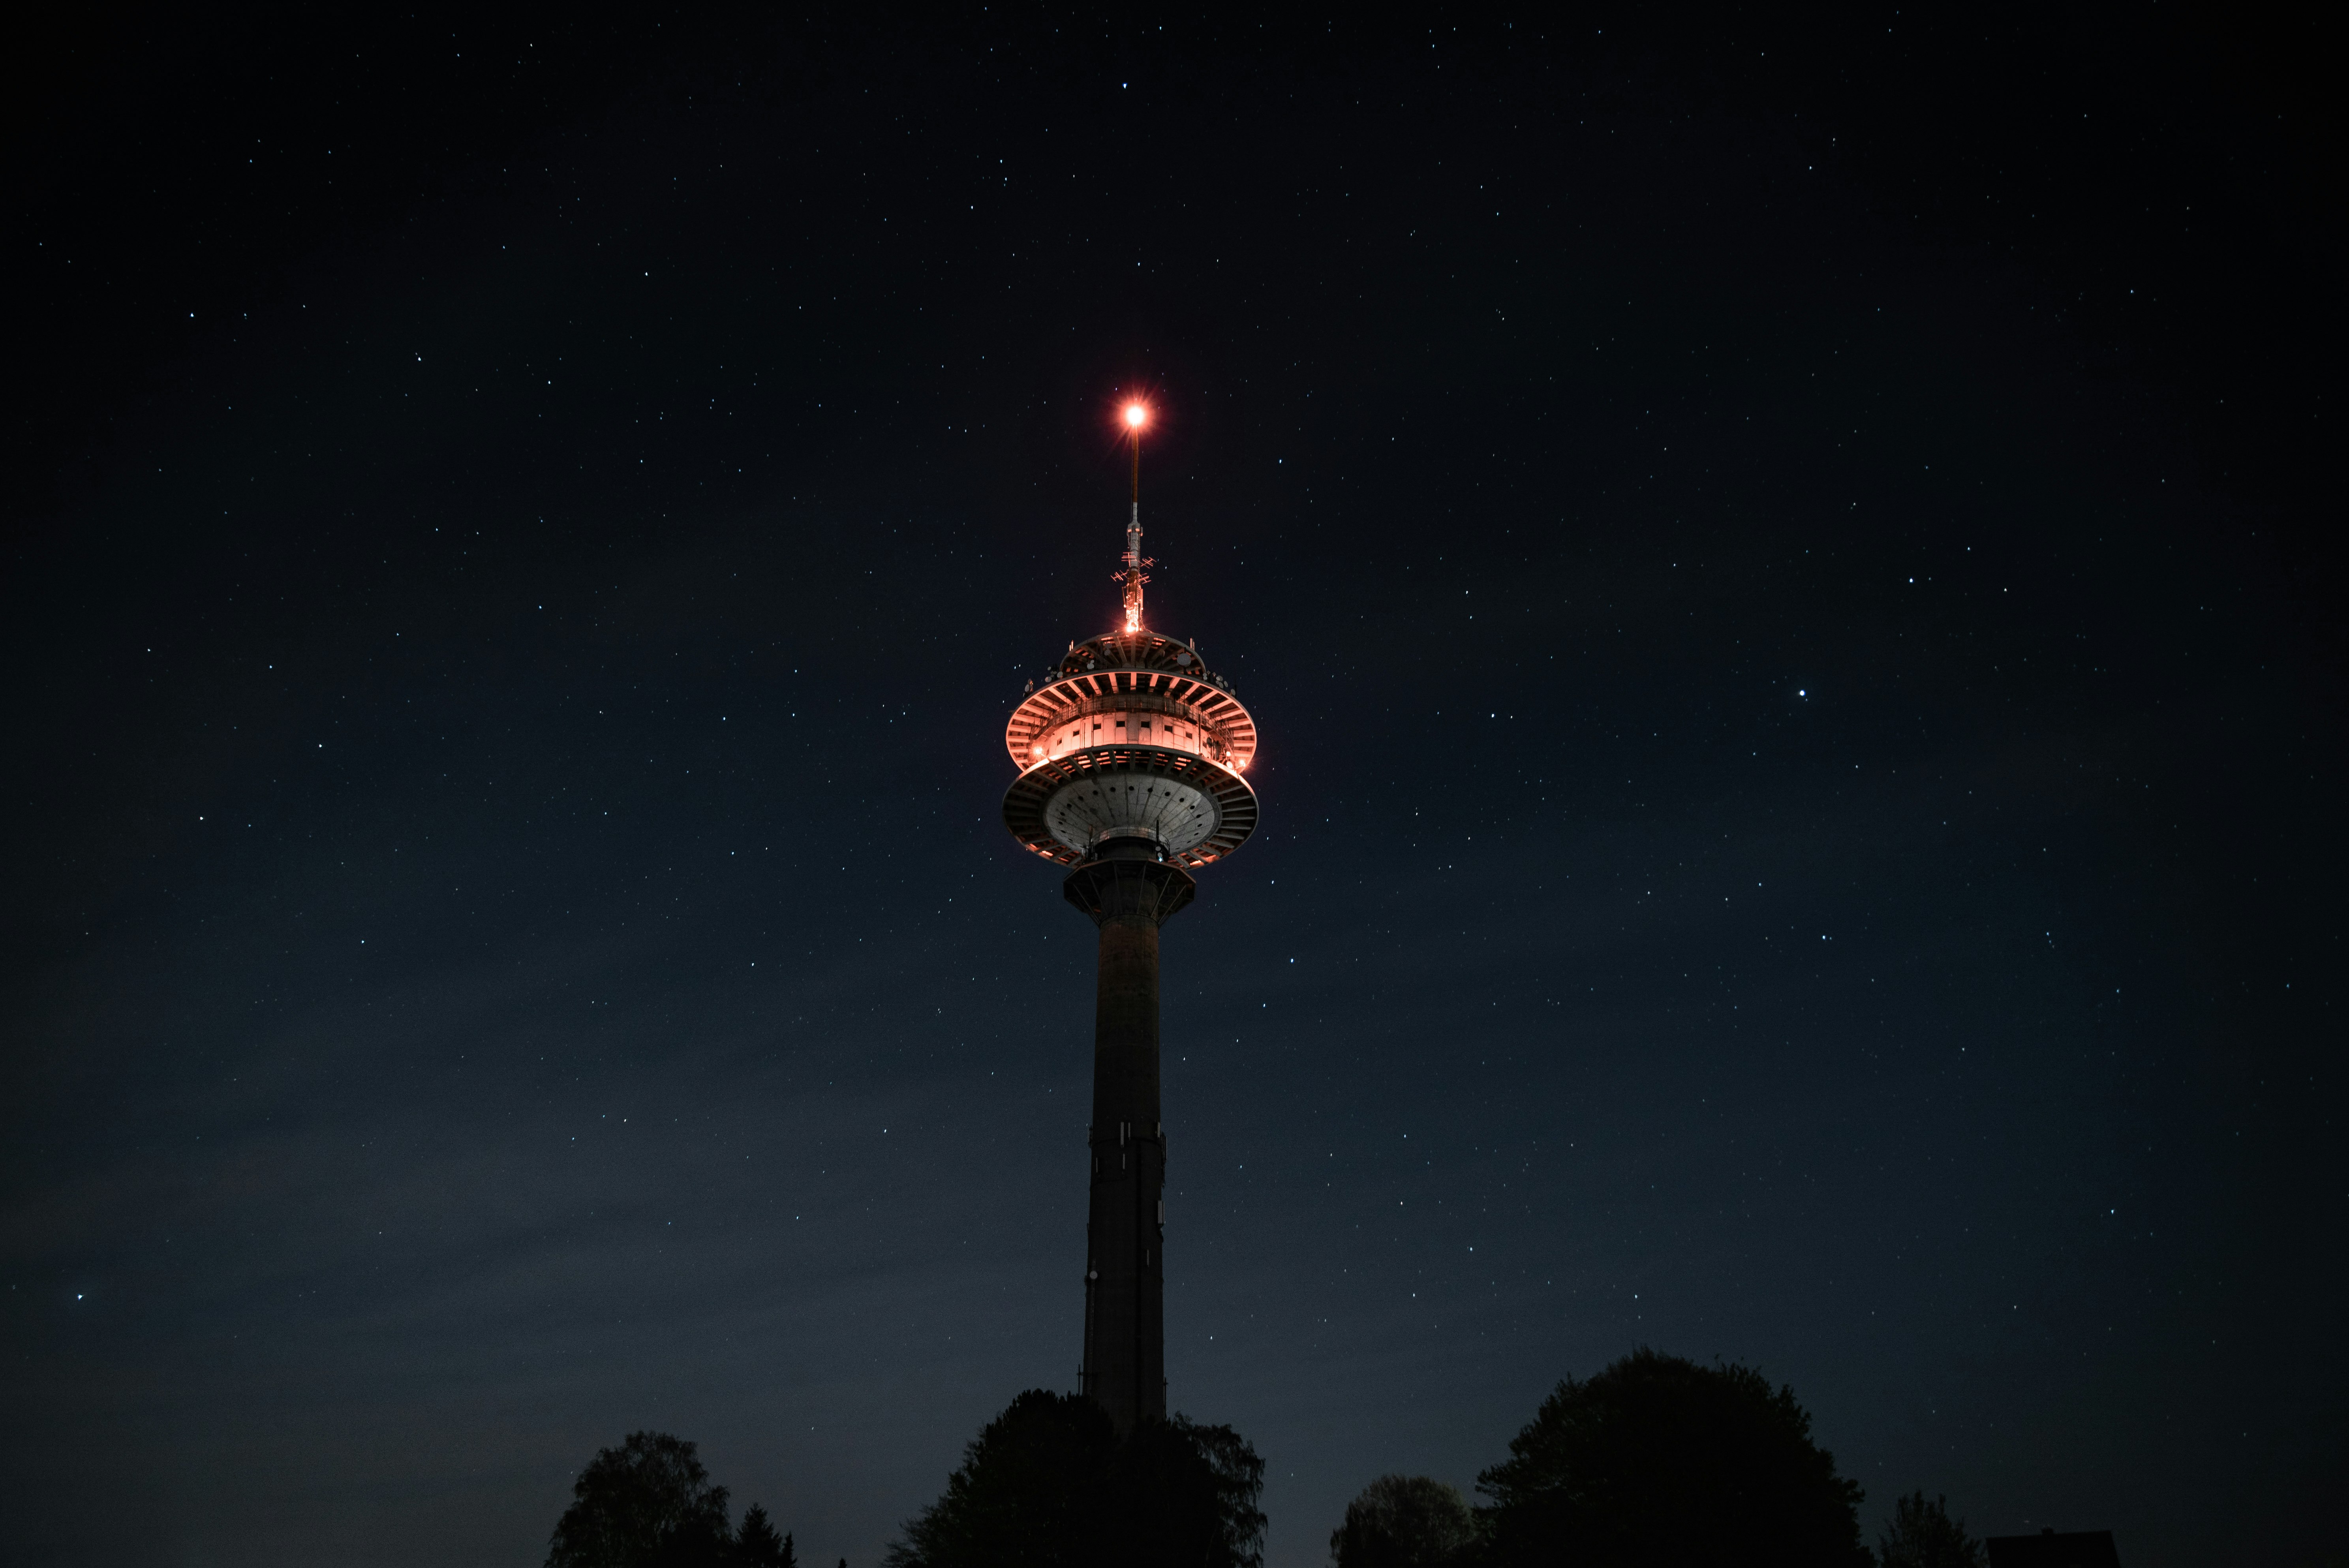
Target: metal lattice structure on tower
[(1131, 757)]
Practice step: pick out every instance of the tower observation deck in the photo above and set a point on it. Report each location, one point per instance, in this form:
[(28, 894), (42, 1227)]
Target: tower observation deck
[(1132, 756)]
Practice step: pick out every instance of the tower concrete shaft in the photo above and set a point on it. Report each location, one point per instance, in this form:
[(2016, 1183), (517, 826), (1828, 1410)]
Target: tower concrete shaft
[(1129, 893)]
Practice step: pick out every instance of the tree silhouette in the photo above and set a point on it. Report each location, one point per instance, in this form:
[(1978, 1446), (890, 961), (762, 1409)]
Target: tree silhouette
[(1049, 1484), (1922, 1535), (1660, 1461), (1184, 1496), (1403, 1521), (755, 1545), (1029, 1490), (648, 1504), (645, 1504)]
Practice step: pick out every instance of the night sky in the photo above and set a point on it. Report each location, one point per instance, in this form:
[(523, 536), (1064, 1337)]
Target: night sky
[(1783, 568)]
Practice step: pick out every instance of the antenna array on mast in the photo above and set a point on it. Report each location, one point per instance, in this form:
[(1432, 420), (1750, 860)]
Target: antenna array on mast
[(1129, 571)]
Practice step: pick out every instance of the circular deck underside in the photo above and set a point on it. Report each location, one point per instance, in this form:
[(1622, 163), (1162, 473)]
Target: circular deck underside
[(1196, 811)]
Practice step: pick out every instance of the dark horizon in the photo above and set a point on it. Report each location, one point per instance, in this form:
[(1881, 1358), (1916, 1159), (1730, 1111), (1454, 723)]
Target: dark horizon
[(1785, 566)]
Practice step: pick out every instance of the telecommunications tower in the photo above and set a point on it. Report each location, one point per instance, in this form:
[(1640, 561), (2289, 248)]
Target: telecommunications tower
[(1131, 757)]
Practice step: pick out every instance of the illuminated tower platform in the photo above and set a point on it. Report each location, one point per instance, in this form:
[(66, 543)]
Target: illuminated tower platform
[(1130, 758)]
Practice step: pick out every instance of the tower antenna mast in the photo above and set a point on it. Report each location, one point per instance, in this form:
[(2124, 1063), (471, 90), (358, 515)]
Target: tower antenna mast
[(1137, 414)]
